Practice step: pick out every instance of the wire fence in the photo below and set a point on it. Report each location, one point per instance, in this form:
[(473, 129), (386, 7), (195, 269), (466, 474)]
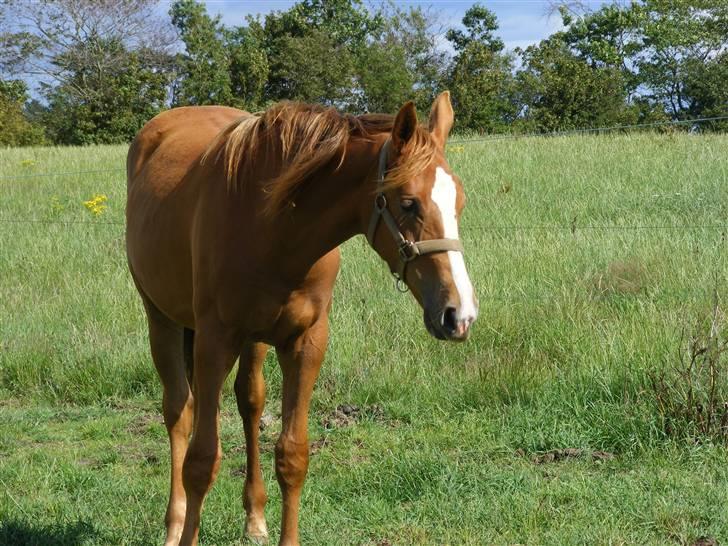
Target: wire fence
[(598, 130), (488, 138), (585, 292), (571, 227), (60, 174)]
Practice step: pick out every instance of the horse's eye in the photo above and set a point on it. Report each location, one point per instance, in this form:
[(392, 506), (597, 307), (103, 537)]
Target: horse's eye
[(409, 206)]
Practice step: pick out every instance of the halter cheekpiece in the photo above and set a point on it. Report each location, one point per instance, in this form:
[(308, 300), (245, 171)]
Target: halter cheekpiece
[(407, 250)]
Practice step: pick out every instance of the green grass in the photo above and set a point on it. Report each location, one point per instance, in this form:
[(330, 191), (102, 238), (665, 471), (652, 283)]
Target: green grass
[(560, 358)]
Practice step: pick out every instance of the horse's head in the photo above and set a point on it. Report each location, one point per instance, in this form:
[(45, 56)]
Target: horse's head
[(414, 224)]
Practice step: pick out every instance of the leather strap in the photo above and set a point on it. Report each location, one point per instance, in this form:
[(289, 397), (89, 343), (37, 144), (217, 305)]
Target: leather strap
[(408, 250)]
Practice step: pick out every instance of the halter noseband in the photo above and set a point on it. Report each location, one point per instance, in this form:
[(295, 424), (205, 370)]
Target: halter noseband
[(407, 250)]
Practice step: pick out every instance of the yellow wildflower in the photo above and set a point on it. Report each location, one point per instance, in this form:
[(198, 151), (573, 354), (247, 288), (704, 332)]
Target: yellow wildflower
[(96, 205)]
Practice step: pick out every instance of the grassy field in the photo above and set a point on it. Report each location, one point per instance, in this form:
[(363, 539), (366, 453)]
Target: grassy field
[(585, 286)]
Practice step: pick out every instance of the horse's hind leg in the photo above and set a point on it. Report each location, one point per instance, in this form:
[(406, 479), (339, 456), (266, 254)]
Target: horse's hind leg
[(167, 340), (250, 394)]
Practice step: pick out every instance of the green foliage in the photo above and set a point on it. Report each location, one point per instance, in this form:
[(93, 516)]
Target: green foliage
[(383, 90), (480, 78), (414, 30), (707, 85), (676, 36), (480, 24), (560, 91), (103, 68), (337, 52), (249, 66), (114, 103), (313, 48), (663, 48), (401, 62), (313, 68), (15, 129), (205, 65)]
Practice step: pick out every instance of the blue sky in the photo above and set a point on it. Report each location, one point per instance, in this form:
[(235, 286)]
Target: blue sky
[(522, 22)]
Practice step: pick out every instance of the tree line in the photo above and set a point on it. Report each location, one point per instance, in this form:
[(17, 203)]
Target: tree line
[(99, 69)]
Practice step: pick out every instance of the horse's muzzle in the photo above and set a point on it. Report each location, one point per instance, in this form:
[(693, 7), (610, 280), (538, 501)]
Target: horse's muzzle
[(445, 324)]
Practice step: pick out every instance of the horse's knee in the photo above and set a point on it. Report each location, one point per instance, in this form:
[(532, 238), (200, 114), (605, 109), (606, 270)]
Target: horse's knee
[(291, 462), (200, 469), (248, 402)]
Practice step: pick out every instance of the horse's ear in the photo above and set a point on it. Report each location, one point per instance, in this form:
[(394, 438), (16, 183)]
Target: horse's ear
[(441, 118), (405, 125)]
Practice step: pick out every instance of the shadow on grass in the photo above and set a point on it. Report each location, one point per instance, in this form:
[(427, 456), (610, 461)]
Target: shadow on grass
[(23, 533)]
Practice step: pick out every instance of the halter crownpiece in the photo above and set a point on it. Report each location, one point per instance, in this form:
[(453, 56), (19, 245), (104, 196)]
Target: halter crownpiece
[(407, 250)]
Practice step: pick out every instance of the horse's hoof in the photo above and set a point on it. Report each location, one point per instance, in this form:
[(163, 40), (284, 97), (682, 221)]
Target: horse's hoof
[(256, 530), (257, 539)]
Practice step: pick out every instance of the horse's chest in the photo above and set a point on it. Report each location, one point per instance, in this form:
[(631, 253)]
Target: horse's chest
[(276, 318)]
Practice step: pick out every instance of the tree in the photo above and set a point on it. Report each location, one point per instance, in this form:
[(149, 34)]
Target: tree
[(706, 83), (314, 68), (559, 90), (606, 38), (417, 33), (15, 129), (676, 36), (383, 90), (660, 47), (80, 51), (249, 67), (480, 23), (123, 99), (204, 67), (324, 36), (480, 77), (400, 62)]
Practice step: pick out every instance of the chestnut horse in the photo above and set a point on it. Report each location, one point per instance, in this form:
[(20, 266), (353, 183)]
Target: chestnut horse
[(233, 224)]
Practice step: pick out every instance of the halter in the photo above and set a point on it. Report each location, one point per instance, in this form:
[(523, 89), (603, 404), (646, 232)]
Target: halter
[(406, 249)]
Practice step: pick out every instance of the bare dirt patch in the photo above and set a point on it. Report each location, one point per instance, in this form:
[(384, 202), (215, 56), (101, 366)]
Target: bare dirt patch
[(705, 541), (240, 471), (556, 455), (627, 277), (143, 423), (348, 414), (318, 445)]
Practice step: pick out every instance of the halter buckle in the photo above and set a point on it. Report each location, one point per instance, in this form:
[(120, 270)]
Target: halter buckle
[(408, 251), (380, 202)]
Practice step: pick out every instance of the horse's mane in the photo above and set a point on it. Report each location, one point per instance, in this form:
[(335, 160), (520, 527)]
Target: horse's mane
[(307, 137)]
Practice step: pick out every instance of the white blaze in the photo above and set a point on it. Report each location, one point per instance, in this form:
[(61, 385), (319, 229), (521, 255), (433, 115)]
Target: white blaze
[(444, 194)]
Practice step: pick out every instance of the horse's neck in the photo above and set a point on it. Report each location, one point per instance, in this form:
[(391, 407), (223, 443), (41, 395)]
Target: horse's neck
[(329, 210)]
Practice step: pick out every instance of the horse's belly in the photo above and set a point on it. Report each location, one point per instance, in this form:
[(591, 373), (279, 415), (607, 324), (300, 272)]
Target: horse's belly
[(158, 245)]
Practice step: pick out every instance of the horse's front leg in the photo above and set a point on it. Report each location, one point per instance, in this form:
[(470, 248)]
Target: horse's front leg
[(300, 363), (214, 356), (250, 394)]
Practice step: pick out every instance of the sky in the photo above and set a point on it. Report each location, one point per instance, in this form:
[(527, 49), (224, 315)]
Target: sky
[(522, 22)]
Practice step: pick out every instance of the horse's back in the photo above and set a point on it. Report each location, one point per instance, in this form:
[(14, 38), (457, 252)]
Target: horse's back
[(176, 138), (164, 178)]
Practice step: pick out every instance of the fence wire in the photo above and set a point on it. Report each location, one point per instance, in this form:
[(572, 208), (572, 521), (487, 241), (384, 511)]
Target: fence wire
[(571, 227), (488, 138), (590, 130), (517, 296)]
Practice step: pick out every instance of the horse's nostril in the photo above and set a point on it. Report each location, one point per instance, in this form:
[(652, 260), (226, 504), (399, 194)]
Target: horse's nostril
[(449, 320)]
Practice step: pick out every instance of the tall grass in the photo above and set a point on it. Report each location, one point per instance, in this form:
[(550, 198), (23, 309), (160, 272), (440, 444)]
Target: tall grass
[(589, 255)]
